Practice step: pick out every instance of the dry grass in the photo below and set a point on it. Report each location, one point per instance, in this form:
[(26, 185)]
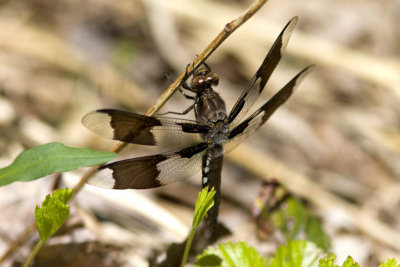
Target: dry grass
[(336, 143)]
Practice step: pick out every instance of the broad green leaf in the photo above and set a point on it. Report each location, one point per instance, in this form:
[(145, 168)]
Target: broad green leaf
[(49, 158), (53, 212), (296, 254), (390, 263), (229, 254)]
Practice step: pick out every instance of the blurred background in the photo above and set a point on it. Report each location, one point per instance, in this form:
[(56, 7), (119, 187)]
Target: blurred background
[(336, 143)]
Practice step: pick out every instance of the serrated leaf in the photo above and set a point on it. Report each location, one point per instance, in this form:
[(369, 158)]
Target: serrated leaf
[(329, 260), (53, 213), (204, 203), (350, 262), (296, 254), (390, 263), (49, 158), (229, 254)]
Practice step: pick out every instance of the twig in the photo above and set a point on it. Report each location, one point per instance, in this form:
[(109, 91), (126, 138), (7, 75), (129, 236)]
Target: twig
[(226, 31), (218, 40)]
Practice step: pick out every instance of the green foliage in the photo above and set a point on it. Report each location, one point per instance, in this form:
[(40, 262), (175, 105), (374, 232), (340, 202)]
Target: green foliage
[(294, 219), (49, 158), (296, 254), (350, 263), (390, 263), (204, 203), (229, 254), (328, 261), (53, 213)]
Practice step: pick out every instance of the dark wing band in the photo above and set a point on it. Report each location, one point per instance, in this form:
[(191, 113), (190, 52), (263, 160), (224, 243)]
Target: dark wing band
[(144, 130), (150, 171), (257, 83), (259, 117)]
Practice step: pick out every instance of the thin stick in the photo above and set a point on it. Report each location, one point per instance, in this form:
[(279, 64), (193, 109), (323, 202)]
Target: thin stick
[(218, 40)]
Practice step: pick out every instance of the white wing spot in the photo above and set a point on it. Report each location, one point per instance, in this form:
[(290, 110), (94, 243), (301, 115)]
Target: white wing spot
[(103, 178)]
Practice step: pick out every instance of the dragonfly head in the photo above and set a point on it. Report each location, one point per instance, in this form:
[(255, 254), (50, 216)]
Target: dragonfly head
[(204, 78)]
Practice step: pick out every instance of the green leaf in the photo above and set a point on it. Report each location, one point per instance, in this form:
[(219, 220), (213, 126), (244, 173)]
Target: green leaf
[(49, 158), (229, 254), (53, 212), (295, 219), (296, 254), (204, 203), (329, 260), (390, 263), (209, 260), (350, 262), (316, 234)]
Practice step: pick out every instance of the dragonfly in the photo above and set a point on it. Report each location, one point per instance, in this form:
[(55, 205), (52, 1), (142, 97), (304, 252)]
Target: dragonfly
[(202, 142)]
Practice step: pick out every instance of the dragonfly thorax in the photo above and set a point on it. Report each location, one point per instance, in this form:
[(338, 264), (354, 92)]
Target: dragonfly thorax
[(209, 107), (218, 133)]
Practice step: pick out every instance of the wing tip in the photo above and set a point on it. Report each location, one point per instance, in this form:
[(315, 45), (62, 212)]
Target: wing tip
[(294, 20), (306, 71), (301, 75), (99, 122), (287, 32)]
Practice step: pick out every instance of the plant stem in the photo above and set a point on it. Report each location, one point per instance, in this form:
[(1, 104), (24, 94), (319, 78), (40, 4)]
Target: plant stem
[(187, 247), (34, 252)]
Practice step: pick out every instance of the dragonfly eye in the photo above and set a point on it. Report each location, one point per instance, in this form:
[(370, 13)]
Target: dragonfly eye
[(198, 81), (201, 72), (213, 78)]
